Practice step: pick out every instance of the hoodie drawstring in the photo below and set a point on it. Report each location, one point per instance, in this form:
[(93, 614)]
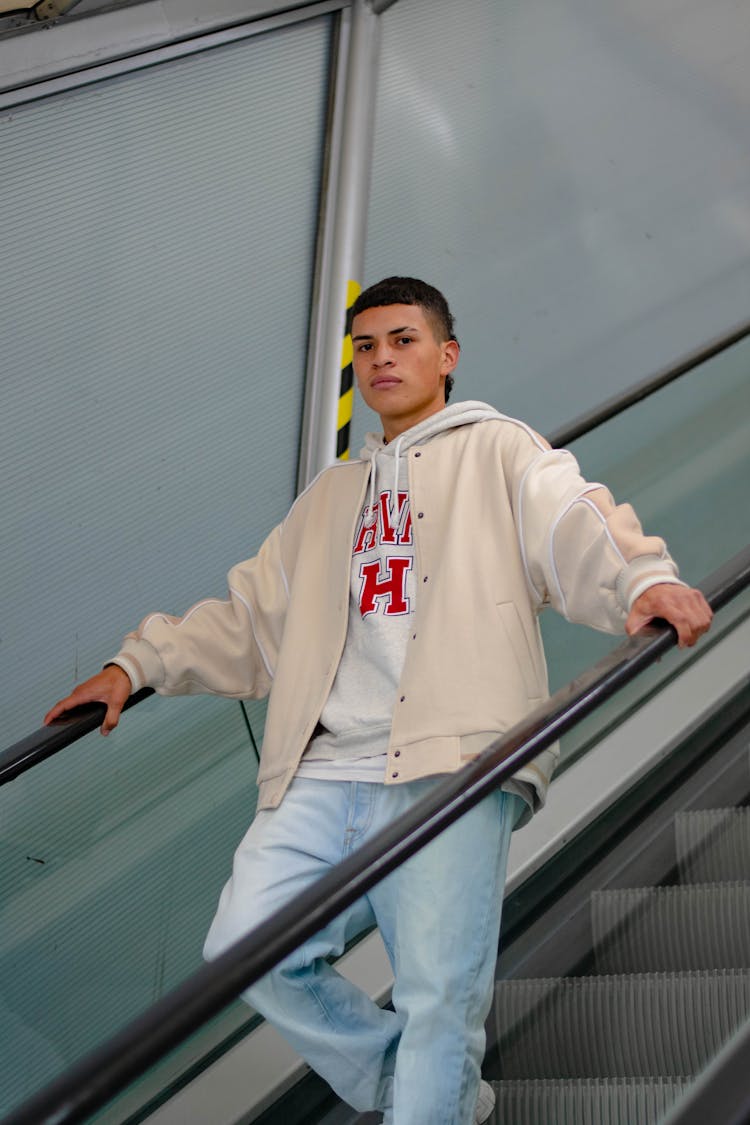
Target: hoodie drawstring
[(394, 502), (370, 514), (456, 414), (395, 510)]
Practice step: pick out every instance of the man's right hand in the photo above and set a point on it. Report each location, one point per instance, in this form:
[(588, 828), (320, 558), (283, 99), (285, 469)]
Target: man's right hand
[(111, 686)]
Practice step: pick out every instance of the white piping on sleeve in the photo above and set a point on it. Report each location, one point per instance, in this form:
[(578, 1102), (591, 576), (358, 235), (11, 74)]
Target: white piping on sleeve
[(177, 624), (588, 487), (552, 563), (251, 615), (579, 499), (601, 516), (527, 429), (313, 482), (212, 601), (521, 488), (284, 578), (591, 486)]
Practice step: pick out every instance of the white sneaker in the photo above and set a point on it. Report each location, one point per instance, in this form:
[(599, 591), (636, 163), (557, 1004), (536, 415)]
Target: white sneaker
[(485, 1102)]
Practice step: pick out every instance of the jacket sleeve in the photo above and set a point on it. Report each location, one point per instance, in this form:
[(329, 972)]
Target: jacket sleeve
[(584, 554), (220, 647)]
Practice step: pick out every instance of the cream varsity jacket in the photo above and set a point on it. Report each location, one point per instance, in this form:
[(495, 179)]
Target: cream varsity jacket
[(503, 526)]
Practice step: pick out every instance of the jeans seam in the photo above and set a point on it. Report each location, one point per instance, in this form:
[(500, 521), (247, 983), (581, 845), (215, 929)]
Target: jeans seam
[(350, 1062), (352, 835)]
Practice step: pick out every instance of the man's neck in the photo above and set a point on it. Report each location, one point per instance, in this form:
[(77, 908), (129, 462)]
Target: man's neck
[(394, 427)]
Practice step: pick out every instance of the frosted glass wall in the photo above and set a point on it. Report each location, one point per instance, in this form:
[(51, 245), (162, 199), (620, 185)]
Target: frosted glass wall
[(157, 274), (576, 176), (157, 254)]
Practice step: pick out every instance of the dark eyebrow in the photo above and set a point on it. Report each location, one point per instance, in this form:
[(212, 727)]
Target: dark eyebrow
[(391, 332)]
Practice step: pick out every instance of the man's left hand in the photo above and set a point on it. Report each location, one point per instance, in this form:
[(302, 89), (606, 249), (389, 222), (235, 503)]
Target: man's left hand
[(684, 608)]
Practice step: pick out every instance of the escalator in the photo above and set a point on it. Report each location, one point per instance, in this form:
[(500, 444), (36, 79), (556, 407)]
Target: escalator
[(625, 963), (585, 990), (612, 1001), (579, 949)]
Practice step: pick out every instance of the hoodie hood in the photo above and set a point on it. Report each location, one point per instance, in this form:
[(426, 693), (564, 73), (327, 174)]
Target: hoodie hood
[(375, 447)]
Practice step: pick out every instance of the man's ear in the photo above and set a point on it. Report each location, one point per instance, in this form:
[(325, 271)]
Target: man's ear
[(451, 352)]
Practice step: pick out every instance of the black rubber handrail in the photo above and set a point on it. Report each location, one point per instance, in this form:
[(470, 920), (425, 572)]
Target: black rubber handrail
[(93, 1081), (39, 745), (588, 421), (42, 743)]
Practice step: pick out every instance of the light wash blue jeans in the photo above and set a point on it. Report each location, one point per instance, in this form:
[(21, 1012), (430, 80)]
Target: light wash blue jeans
[(439, 917)]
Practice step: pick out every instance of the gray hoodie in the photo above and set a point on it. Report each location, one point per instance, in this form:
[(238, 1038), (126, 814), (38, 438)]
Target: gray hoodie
[(353, 733)]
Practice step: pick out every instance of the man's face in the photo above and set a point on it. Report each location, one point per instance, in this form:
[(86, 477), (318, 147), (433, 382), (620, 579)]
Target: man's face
[(400, 366)]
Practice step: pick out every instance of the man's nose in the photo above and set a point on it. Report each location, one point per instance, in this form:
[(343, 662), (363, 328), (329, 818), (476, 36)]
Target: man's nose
[(382, 357)]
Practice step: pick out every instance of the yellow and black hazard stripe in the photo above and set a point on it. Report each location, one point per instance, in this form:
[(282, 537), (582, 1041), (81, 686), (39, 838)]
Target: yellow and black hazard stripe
[(346, 389)]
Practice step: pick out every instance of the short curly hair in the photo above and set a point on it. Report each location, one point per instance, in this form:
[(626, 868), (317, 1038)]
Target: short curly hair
[(411, 291)]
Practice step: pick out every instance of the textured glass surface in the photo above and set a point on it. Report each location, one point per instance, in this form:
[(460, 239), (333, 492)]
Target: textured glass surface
[(154, 317), (682, 459), (157, 275), (575, 177), (113, 856)]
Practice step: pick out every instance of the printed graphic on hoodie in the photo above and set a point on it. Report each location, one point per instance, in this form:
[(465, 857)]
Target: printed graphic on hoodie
[(383, 529)]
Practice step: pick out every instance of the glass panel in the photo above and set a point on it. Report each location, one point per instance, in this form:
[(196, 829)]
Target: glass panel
[(575, 177), (682, 458), (580, 243), (113, 856), (154, 343)]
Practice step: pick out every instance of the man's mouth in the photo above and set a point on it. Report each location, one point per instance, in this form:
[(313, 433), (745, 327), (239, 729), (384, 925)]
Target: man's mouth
[(384, 381)]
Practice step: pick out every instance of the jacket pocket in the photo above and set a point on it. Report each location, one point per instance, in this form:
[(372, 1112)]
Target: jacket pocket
[(519, 645)]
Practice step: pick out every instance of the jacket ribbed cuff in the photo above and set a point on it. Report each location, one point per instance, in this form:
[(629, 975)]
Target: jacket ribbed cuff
[(141, 663), (641, 574)]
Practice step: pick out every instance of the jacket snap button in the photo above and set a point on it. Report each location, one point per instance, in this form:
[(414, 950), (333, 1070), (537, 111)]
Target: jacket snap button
[(396, 753), (414, 636), (403, 697), (420, 515), (395, 774), (417, 454), (425, 578)]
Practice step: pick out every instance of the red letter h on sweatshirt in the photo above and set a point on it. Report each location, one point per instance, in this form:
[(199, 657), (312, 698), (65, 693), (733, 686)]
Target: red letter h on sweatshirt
[(390, 587)]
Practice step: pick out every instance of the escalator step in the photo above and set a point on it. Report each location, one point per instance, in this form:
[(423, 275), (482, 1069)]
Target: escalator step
[(617, 1026), (672, 929), (614, 1101), (713, 845)]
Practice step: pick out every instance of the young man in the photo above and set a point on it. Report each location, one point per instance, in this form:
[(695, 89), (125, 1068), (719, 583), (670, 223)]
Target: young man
[(392, 616)]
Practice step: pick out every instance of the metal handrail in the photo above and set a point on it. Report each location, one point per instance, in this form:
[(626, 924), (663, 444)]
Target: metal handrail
[(46, 741), (588, 421), (93, 1081), (39, 745)]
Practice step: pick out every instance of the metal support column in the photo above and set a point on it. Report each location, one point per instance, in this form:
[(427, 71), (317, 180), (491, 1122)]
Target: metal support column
[(341, 240)]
